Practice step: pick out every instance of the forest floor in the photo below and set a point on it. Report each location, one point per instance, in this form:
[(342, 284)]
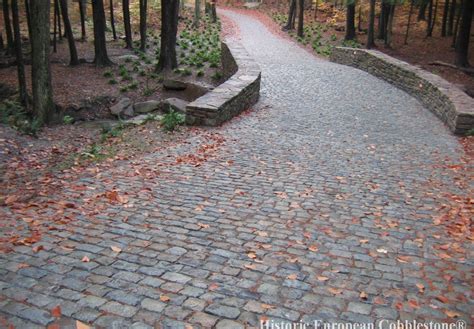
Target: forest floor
[(327, 31)]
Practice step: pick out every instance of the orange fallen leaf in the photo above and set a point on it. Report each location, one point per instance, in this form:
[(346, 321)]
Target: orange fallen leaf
[(164, 298), (363, 295), (38, 248), (250, 266), (421, 287), (116, 249), (251, 255), (442, 299), (452, 314), (322, 278), (267, 307), (403, 259), (363, 241), (313, 248), (203, 225), (213, 286), (292, 276), (335, 291), (86, 259), (81, 325), (413, 303), (56, 312)]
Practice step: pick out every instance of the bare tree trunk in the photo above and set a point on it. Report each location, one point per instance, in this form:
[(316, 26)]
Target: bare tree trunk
[(412, 3), (197, 13), (445, 18), (100, 48), (300, 31), (8, 26), (316, 7), (462, 42), (456, 26), (126, 23), (70, 36), (112, 19), (143, 16), (169, 30), (359, 18), (28, 18), (58, 18), (383, 19), (19, 56), (451, 19), (429, 30), (82, 12), (43, 106), (292, 12), (213, 11), (371, 31), (422, 10), (388, 37), (1, 42), (433, 21), (350, 21), (55, 28)]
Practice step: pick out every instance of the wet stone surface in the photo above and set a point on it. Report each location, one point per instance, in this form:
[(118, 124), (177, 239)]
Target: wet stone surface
[(315, 205)]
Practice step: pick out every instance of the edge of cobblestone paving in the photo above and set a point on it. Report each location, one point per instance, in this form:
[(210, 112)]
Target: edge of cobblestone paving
[(240, 90), (448, 102)]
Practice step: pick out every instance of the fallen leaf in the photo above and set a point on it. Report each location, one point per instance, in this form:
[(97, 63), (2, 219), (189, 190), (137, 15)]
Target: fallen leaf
[(86, 259), (251, 255), (164, 298), (203, 225), (116, 249), (38, 248), (267, 307), (250, 266), (421, 287), (382, 250), (56, 312), (292, 276), (452, 314), (81, 325), (335, 291), (403, 259), (313, 248), (213, 286), (363, 295), (363, 241), (442, 299), (322, 278), (413, 303)]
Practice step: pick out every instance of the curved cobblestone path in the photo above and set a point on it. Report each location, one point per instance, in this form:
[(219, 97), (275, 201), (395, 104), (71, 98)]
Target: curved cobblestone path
[(316, 205)]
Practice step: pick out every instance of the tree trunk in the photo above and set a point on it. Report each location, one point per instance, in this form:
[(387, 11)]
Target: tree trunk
[(100, 48), (28, 18), (70, 36), (350, 20), (383, 19), (316, 7), (19, 55), (456, 26), (8, 26), (126, 23), (300, 31), (197, 13), (112, 19), (292, 12), (169, 29), (451, 19), (412, 4), (58, 18), (422, 10), (462, 42), (1, 42), (433, 20), (371, 30), (143, 14), (43, 106), (359, 18), (389, 29), (429, 30), (213, 11), (82, 12), (55, 27), (445, 18)]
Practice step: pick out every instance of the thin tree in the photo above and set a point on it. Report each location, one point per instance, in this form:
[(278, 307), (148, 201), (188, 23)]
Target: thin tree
[(74, 60), (300, 31), (82, 13), (213, 11), (197, 13), (55, 27), (100, 48), (462, 42), (422, 10), (58, 18), (389, 29), (452, 14), (456, 26), (291, 16), (316, 7), (444, 23), (432, 21), (371, 30), (412, 4), (112, 19), (350, 20), (43, 106), (169, 30), (143, 16), (126, 24), (8, 26), (27, 12), (383, 19), (1, 42), (19, 55)]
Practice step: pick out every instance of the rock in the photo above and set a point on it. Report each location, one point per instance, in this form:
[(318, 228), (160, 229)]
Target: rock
[(146, 107), (176, 104), (122, 108), (141, 119), (196, 90), (173, 84), (252, 5)]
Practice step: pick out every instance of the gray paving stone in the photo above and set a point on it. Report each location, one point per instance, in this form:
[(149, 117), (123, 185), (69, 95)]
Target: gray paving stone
[(223, 311)]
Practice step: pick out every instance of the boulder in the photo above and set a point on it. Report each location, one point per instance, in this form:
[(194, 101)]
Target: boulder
[(175, 104), (173, 84), (122, 108), (146, 107), (141, 119)]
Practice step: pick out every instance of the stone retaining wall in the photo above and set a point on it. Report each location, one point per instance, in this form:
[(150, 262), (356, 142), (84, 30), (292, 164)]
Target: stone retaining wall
[(448, 102), (238, 93)]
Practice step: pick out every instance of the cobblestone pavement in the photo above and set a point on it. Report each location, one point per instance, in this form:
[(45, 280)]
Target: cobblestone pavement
[(319, 204)]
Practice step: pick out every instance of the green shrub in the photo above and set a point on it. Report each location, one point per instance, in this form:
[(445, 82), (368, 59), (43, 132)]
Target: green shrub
[(108, 74), (112, 82), (14, 115), (172, 120), (68, 120)]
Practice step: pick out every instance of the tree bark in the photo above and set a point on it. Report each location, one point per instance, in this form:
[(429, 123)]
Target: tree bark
[(462, 42), (58, 18), (19, 55), (213, 11), (300, 31), (316, 7), (197, 13), (422, 10), (43, 106), (112, 19), (70, 36), (451, 19), (100, 48), (126, 24), (433, 20), (291, 14), (8, 26), (143, 16), (28, 18), (82, 12), (371, 30), (169, 29), (429, 30), (444, 24), (412, 4), (1, 42), (389, 29), (383, 19), (456, 26), (350, 20), (55, 27)]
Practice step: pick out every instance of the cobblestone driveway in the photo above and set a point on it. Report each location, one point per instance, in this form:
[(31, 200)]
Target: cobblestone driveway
[(316, 205)]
